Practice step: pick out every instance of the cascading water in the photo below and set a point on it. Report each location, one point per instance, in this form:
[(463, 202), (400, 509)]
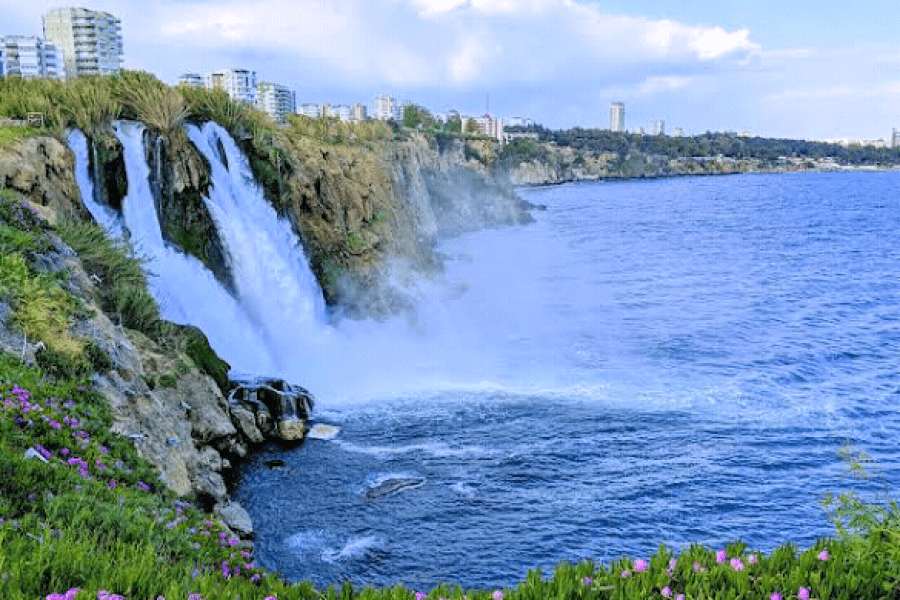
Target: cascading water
[(275, 323), (186, 291), (277, 289)]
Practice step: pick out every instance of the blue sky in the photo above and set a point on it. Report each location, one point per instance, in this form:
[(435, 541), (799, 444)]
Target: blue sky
[(816, 70)]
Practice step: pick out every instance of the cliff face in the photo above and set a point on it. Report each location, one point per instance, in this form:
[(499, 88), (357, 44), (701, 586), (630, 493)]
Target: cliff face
[(559, 164), (357, 207)]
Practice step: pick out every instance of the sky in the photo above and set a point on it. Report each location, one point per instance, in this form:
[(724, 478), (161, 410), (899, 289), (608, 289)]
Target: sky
[(788, 68)]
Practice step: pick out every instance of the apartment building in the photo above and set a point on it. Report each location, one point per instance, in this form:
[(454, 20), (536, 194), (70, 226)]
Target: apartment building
[(358, 112), (278, 101), (90, 41), (239, 84), (30, 57), (617, 117), (387, 108), (194, 80)]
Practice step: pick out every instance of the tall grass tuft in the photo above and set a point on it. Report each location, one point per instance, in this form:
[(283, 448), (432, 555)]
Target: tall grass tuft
[(123, 290), (150, 101)]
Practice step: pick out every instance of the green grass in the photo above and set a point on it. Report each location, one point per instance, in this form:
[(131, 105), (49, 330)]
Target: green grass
[(11, 136)]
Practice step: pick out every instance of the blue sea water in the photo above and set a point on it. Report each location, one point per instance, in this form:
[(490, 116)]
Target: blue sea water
[(650, 362)]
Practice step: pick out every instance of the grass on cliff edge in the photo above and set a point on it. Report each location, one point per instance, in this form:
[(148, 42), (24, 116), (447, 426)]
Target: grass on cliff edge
[(93, 517)]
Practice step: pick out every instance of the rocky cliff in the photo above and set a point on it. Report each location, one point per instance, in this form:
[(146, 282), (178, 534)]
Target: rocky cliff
[(357, 207)]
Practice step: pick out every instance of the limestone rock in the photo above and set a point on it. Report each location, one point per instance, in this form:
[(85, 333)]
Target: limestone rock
[(236, 518), (245, 421), (291, 429)]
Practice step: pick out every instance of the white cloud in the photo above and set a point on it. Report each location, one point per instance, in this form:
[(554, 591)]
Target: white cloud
[(656, 85)]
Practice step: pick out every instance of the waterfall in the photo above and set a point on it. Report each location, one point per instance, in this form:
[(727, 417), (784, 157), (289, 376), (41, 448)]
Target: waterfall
[(186, 291), (108, 218), (271, 274), (275, 323)]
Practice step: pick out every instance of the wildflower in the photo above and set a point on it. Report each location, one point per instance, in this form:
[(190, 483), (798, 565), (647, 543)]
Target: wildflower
[(753, 559), (640, 565), (195, 597), (143, 486), (721, 556), (679, 597), (586, 581), (803, 594), (271, 598), (112, 484), (666, 592), (420, 596), (626, 574), (737, 564), (498, 595), (823, 555), (255, 578), (775, 596)]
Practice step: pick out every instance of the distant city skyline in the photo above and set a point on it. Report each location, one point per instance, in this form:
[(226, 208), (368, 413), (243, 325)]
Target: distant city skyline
[(796, 69)]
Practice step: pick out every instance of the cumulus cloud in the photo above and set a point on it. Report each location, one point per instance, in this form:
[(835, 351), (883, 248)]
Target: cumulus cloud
[(434, 42)]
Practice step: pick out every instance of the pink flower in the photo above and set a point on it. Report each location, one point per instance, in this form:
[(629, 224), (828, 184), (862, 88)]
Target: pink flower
[(775, 596), (823, 555), (753, 559), (498, 595), (737, 564), (586, 581), (721, 556), (420, 596), (803, 594), (679, 597), (640, 565), (666, 592), (626, 574)]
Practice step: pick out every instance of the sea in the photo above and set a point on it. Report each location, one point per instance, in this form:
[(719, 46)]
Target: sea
[(650, 362)]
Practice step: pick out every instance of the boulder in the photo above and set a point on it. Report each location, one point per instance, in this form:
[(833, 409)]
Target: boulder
[(236, 518), (271, 400)]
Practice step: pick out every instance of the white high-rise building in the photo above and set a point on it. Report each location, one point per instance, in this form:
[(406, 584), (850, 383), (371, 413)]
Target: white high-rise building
[(239, 84), (358, 112), (895, 138), (387, 108), (617, 117), (91, 41), (659, 127), (277, 100), (30, 57)]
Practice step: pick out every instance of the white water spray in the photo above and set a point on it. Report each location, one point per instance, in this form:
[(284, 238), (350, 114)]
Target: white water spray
[(276, 323)]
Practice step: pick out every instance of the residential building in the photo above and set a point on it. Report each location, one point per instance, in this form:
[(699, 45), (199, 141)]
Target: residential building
[(659, 127), (895, 138), (337, 111), (678, 132), (358, 112), (194, 80), (487, 125), (30, 57), (313, 111), (239, 84), (91, 41), (387, 108), (617, 117), (278, 101), (518, 122)]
